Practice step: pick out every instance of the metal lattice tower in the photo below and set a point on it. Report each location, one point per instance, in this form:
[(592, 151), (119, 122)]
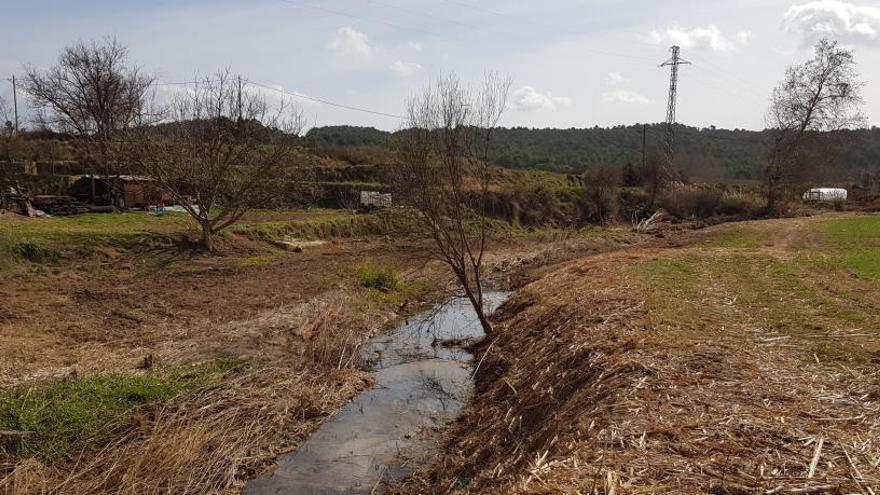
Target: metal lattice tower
[(673, 64)]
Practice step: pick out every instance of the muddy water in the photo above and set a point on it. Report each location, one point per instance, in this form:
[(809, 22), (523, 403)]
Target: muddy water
[(423, 378)]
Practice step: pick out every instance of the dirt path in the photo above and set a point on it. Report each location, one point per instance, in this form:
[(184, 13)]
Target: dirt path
[(729, 367)]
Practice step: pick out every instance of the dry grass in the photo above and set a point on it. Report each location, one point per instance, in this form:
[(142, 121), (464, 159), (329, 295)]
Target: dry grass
[(212, 441), (209, 443), (620, 393)]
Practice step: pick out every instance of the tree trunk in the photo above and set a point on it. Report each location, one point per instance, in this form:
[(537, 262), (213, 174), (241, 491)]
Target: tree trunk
[(479, 310), (207, 237)]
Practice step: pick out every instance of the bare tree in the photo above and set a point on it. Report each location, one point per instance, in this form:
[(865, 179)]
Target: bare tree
[(222, 152), (815, 101), (444, 173), (94, 93), (7, 133)]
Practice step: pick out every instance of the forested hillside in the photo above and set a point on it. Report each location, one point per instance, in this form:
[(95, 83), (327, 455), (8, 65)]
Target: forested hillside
[(706, 152)]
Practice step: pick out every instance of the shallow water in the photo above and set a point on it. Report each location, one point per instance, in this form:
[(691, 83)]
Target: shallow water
[(423, 378)]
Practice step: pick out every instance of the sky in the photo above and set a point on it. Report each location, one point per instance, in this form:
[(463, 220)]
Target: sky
[(573, 63)]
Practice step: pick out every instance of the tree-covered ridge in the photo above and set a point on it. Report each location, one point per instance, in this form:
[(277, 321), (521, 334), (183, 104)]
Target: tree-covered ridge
[(701, 152)]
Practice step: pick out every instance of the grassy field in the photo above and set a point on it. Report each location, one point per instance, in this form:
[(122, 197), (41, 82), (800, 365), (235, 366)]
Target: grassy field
[(855, 243), (804, 291)]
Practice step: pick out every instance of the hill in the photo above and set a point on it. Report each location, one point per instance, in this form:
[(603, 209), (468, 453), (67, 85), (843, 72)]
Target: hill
[(701, 152)]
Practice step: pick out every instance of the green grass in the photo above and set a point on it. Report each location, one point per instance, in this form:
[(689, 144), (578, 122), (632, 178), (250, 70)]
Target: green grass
[(736, 240), (28, 242), (34, 252), (856, 243), (774, 293), (94, 228), (69, 415), (322, 224), (386, 286), (377, 277)]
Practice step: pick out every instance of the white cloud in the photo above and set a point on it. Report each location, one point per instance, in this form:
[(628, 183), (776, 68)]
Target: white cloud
[(351, 43), (625, 96), (405, 68), (709, 36), (837, 19), (615, 78), (528, 99), (416, 47)]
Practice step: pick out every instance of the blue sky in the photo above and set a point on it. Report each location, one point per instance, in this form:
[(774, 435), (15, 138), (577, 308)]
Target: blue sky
[(573, 63)]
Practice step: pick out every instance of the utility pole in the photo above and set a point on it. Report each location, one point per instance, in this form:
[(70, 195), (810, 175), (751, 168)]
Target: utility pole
[(239, 100), (15, 103), (644, 147), (673, 64)]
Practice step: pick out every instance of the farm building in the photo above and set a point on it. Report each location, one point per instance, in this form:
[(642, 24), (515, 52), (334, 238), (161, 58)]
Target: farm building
[(131, 191), (373, 200)]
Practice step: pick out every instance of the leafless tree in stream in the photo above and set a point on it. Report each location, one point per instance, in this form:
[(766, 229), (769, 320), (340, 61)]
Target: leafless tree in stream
[(444, 174)]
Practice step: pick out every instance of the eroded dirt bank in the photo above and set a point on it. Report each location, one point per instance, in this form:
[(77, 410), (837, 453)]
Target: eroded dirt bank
[(746, 364)]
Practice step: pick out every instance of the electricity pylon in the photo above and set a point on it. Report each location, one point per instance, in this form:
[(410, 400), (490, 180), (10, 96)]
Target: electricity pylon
[(673, 64)]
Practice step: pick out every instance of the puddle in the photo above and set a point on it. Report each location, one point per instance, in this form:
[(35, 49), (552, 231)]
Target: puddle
[(423, 379)]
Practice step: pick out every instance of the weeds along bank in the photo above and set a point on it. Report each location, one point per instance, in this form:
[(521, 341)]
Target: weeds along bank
[(151, 403), (746, 364)]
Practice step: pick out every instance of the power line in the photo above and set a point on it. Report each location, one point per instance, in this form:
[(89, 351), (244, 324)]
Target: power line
[(292, 94), (728, 75), (324, 101)]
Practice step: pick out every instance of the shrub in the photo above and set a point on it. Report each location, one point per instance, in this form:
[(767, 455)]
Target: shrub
[(35, 252), (687, 201), (377, 277), (600, 194), (739, 203), (704, 201)]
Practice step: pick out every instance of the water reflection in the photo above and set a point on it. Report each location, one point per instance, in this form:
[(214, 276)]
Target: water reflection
[(423, 379)]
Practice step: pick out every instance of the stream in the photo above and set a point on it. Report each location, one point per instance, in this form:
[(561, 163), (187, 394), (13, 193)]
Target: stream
[(423, 379)]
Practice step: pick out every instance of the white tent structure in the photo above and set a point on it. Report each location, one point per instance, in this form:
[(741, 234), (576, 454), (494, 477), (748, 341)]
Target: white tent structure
[(825, 194)]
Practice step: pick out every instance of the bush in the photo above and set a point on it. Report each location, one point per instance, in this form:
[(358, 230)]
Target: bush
[(377, 277), (739, 203), (692, 201), (687, 201), (35, 252), (600, 195)]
